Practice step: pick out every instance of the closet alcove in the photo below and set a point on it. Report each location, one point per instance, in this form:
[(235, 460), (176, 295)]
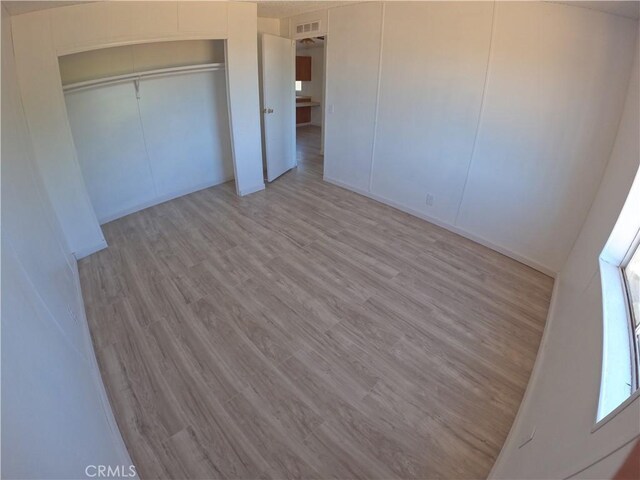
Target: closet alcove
[(150, 121)]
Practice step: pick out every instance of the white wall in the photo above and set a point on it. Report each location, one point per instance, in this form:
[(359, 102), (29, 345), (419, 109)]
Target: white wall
[(504, 113), (139, 149), (139, 57), (353, 54), (562, 396), (431, 88), (269, 25), (55, 416), (288, 25), (40, 37)]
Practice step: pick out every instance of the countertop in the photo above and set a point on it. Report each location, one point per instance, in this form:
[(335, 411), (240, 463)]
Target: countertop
[(307, 104)]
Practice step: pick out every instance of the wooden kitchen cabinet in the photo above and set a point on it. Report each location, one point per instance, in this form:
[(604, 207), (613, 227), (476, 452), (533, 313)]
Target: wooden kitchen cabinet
[(303, 115), (303, 69)]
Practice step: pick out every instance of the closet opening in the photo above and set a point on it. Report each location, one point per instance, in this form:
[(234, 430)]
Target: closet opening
[(150, 122)]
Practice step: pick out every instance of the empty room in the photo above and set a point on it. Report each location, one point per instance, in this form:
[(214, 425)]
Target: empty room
[(320, 240)]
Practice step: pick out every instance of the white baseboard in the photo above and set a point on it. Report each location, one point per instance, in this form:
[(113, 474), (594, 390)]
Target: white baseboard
[(249, 191), (97, 377), (160, 199), (452, 228), (535, 373), (85, 252)]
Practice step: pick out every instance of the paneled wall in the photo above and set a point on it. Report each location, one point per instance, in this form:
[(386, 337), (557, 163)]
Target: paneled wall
[(353, 50), (140, 57), (40, 37), (55, 415), (554, 96), (495, 120), (561, 401), (136, 149), (434, 62)]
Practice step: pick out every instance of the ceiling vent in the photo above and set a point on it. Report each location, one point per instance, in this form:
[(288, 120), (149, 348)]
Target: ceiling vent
[(307, 29)]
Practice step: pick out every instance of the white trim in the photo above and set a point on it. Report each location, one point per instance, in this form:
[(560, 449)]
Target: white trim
[(161, 199), (61, 51), (618, 337), (452, 228), (480, 111), (230, 115), (618, 356), (616, 411), (249, 191), (535, 373), (95, 373), (294, 134), (162, 72), (86, 251), (602, 458), (325, 76), (377, 109)]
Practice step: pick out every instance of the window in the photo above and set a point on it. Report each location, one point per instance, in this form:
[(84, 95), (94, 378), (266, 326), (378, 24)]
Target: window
[(620, 279), (298, 86), (631, 274)]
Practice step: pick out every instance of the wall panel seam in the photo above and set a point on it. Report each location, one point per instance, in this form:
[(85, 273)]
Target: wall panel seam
[(61, 240), (375, 115), (480, 112)]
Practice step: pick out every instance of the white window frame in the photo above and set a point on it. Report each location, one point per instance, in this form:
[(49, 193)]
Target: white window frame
[(619, 382), (633, 250)]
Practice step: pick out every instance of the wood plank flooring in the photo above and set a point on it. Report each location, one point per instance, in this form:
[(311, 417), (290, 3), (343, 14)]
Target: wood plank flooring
[(308, 332)]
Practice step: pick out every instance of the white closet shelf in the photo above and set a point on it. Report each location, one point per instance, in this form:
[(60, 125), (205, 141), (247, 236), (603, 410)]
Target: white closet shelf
[(162, 72)]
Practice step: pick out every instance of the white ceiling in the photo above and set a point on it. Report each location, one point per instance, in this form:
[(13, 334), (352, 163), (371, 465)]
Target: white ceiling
[(278, 9), (317, 43)]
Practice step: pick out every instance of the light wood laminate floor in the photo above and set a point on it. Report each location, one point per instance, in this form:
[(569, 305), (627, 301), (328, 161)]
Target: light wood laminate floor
[(308, 332)]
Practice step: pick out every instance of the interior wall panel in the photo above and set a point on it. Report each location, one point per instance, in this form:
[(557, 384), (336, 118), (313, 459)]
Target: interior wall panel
[(186, 129), (54, 152), (28, 221), (111, 150), (135, 152), (353, 55), (561, 401), (140, 57), (242, 83), (554, 96), (515, 167), (55, 418), (434, 61), (40, 37)]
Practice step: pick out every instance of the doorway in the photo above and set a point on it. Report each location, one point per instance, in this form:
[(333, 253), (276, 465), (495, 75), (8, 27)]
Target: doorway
[(310, 87)]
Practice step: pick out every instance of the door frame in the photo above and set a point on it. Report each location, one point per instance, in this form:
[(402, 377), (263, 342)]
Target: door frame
[(323, 121)]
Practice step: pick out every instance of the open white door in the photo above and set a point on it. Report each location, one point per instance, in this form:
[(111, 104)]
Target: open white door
[(278, 109)]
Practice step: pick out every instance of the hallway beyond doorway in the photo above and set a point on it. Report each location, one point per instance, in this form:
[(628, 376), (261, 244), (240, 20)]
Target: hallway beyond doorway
[(308, 143)]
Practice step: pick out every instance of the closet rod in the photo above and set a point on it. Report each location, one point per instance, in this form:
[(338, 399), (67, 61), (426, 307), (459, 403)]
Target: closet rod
[(163, 72)]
